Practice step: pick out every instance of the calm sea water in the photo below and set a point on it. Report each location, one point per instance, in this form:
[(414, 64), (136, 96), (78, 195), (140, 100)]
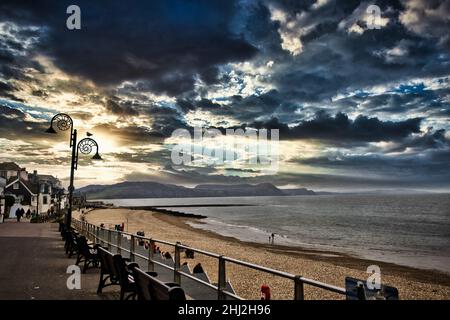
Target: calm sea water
[(412, 230)]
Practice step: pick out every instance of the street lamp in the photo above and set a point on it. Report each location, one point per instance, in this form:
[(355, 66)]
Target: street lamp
[(64, 122)]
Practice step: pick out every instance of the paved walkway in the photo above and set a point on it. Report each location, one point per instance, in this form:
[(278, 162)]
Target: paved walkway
[(33, 265)]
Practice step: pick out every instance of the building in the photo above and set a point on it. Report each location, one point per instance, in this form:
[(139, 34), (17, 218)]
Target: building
[(11, 169), (39, 193), (51, 187)]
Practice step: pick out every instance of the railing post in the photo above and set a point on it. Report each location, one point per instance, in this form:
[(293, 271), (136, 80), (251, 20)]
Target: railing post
[(104, 236), (132, 243), (177, 266), (97, 234), (119, 242), (151, 265), (109, 239), (222, 279), (298, 288), (100, 238)]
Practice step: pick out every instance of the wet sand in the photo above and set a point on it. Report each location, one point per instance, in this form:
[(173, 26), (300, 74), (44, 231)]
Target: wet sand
[(328, 267)]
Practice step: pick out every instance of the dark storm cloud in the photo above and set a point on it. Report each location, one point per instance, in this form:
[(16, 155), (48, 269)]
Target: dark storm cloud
[(426, 102), (429, 140), (121, 109), (163, 119), (341, 127), (7, 91), (167, 43), (15, 125), (423, 156), (336, 61), (247, 109), (428, 18), (327, 66), (13, 59)]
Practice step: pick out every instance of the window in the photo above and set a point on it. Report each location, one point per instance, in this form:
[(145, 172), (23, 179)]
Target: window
[(44, 200), (16, 186)]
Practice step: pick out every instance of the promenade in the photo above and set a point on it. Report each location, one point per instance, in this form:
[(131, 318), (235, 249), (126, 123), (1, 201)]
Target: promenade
[(33, 265)]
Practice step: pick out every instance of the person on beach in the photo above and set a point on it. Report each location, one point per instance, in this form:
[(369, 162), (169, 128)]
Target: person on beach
[(198, 268), (167, 255), (273, 238)]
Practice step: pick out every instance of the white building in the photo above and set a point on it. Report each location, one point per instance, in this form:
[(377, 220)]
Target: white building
[(39, 193)]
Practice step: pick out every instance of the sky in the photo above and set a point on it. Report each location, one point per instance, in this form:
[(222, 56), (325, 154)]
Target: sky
[(360, 103)]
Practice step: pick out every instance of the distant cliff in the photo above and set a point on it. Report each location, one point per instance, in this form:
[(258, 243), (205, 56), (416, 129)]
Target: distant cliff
[(147, 189)]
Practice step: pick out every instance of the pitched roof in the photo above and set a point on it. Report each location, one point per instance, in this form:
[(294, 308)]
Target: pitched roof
[(31, 187), (10, 166)]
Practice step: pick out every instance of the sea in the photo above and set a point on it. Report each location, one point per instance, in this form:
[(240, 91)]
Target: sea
[(410, 230)]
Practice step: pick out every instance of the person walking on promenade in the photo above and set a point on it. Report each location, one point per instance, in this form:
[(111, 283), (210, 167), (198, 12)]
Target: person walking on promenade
[(28, 214), (19, 214)]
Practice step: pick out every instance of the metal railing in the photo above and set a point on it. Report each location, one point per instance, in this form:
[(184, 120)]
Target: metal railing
[(93, 232)]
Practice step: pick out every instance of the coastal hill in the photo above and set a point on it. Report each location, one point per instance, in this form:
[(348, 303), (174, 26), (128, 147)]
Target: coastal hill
[(148, 189)]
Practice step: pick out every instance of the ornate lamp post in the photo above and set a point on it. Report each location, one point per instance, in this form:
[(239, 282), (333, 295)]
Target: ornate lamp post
[(64, 122)]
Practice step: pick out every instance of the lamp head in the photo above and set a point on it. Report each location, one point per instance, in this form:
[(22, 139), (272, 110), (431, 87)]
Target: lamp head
[(97, 157), (50, 130)]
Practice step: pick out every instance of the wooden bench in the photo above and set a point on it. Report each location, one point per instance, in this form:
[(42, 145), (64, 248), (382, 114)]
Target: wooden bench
[(148, 287), (71, 243), (86, 254), (108, 275), (123, 272)]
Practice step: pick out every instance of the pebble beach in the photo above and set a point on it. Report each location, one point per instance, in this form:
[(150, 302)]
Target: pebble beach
[(328, 267)]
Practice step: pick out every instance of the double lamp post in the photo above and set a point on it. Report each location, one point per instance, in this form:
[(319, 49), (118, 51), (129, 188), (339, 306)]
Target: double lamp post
[(64, 122)]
